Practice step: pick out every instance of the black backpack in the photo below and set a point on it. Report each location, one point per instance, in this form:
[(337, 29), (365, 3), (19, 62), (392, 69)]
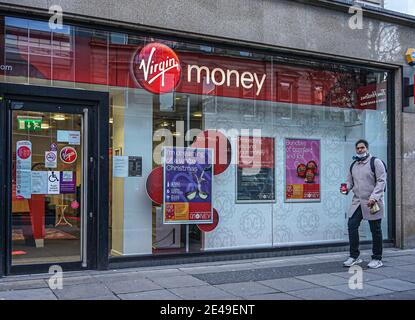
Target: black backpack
[(372, 166)]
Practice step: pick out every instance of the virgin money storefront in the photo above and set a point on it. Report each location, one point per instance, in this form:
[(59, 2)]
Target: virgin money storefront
[(127, 148)]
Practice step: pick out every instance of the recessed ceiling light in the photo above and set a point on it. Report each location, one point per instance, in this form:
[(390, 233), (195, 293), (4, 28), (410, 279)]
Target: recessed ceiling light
[(59, 117), (45, 126)]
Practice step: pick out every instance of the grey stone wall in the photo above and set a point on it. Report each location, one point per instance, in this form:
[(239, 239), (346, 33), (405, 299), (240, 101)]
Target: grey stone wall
[(286, 25), (408, 180)]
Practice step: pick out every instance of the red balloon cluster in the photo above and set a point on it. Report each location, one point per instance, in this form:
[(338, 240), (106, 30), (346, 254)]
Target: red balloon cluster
[(222, 151)]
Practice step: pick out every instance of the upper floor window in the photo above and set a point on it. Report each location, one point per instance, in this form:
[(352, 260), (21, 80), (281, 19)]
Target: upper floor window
[(403, 6)]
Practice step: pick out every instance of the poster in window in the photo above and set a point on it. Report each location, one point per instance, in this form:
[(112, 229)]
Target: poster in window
[(302, 170), (255, 173), (188, 185)]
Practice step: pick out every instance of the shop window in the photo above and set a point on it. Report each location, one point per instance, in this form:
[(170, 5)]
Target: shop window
[(309, 111)]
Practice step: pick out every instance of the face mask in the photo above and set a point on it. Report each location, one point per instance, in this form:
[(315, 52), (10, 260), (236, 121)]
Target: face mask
[(360, 157)]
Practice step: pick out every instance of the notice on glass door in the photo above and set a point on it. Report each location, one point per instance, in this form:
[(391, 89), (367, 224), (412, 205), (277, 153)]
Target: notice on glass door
[(74, 137), (120, 166), (39, 182), (23, 169), (51, 159), (53, 182), (71, 137), (68, 182)]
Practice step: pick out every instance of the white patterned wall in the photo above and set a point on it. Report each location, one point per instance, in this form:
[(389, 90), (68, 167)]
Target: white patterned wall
[(280, 223)]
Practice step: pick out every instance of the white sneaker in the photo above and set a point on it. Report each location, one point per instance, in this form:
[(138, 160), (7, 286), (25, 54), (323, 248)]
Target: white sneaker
[(374, 264), (352, 261)]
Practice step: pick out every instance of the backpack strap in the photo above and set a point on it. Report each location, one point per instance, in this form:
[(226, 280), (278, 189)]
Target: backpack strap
[(372, 166), (351, 168)]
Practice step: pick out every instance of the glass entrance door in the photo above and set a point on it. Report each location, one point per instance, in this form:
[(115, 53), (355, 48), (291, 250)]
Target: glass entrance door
[(47, 187)]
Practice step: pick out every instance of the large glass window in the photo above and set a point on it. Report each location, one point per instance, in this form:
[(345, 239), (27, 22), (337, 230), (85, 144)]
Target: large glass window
[(281, 131)]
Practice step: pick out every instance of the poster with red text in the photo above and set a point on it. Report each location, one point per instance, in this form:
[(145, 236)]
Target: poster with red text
[(302, 170), (255, 174)]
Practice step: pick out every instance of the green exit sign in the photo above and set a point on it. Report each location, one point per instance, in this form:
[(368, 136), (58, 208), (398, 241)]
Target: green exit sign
[(29, 124)]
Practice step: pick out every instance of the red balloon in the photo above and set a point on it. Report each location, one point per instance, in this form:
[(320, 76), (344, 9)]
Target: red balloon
[(210, 226), (220, 145), (154, 185)]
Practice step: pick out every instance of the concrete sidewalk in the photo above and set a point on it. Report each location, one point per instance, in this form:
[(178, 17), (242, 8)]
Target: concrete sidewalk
[(310, 277)]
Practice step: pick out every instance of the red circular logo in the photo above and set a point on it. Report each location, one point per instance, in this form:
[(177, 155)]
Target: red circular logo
[(24, 152), (68, 155), (157, 68)]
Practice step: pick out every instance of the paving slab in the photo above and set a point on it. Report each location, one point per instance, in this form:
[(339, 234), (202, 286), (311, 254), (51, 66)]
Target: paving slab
[(25, 284), (405, 276), (389, 272), (288, 262), (324, 279), (269, 273), (132, 286), (107, 278), (202, 293), (245, 289), (161, 273), (288, 284), (410, 268), (112, 297), (150, 295), (321, 294), (398, 261), (178, 281), (366, 291), (402, 295), (367, 276), (78, 280), (82, 291), (393, 284), (273, 296), (31, 294), (198, 270)]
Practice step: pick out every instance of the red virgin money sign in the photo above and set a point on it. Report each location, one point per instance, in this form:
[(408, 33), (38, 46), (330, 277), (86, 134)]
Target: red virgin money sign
[(225, 76), (157, 68)]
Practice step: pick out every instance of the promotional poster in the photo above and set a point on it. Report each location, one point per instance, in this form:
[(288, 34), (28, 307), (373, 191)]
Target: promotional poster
[(188, 180), (255, 176), (302, 170)]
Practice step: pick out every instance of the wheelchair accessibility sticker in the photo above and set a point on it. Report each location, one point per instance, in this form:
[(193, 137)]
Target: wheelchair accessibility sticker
[(53, 182)]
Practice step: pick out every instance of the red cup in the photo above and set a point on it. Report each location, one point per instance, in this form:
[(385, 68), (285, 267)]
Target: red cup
[(343, 188)]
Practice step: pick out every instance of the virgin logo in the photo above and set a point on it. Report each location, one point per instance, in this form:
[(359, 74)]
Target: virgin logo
[(68, 155), (24, 152), (156, 67)]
